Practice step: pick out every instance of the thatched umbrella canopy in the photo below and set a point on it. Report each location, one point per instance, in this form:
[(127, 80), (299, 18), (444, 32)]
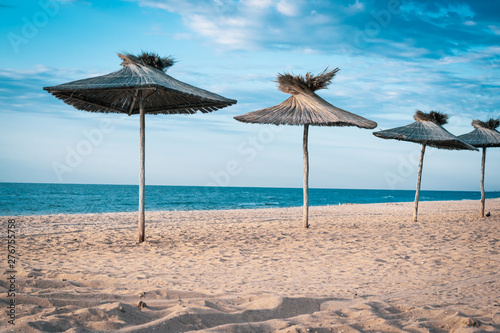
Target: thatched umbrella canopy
[(484, 135), (427, 130), (306, 108), (140, 87)]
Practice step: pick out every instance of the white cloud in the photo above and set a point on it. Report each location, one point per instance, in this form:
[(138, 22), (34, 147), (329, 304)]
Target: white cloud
[(259, 4), (228, 31), (324, 26), (246, 24), (356, 7), (171, 6), (318, 19), (483, 57), (495, 29), (288, 8), (441, 15), (308, 50), (203, 25)]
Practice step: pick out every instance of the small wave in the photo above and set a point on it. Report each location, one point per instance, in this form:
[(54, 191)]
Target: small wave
[(247, 204)]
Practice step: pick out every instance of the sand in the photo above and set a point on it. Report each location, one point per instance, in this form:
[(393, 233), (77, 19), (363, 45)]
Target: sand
[(359, 268)]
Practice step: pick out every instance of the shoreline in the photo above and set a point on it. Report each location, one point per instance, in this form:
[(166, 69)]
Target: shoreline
[(358, 267), (250, 209)]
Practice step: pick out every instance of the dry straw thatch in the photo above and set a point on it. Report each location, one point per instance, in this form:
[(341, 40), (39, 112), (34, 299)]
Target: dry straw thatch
[(117, 92), (305, 108), (428, 131), (484, 135), (140, 87)]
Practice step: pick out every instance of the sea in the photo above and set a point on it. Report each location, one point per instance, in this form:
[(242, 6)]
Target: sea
[(18, 199)]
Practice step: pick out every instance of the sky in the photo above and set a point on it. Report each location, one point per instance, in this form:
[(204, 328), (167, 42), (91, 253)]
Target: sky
[(394, 57)]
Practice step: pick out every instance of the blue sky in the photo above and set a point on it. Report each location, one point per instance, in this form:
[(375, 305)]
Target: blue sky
[(395, 57)]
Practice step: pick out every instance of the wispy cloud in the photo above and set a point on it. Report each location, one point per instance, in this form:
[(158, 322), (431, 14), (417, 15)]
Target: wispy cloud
[(424, 29), (25, 87)]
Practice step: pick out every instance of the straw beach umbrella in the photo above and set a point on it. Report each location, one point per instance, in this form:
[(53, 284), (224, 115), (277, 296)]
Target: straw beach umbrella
[(140, 87), (427, 130), (305, 108), (484, 135)]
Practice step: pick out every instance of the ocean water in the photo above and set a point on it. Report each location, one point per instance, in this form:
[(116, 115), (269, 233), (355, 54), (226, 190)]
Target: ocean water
[(46, 199)]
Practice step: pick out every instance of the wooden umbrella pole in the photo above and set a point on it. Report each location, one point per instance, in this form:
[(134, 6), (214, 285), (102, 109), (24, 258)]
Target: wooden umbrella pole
[(141, 172), (483, 196), (419, 181), (305, 215)]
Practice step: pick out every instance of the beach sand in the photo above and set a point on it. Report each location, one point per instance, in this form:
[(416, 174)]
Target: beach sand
[(359, 268)]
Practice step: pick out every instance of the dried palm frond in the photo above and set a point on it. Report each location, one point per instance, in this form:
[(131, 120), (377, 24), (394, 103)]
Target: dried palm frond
[(489, 124), (434, 116), (148, 59), (295, 84)]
